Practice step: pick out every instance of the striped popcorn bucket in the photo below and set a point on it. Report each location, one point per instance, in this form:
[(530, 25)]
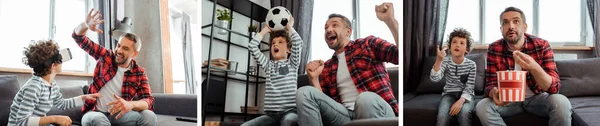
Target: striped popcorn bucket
[(511, 85)]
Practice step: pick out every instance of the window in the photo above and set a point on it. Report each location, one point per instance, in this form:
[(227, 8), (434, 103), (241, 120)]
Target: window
[(18, 27), (463, 14), (559, 22), (368, 24), (22, 25)]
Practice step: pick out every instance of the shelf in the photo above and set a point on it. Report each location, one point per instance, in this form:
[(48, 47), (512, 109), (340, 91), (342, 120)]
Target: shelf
[(238, 45), (221, 73), (246, 8)]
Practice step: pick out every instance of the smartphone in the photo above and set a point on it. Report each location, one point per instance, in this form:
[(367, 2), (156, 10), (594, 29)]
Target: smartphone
[(66, 54)]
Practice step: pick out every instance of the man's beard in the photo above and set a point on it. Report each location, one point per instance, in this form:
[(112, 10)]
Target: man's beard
[(518, 37)]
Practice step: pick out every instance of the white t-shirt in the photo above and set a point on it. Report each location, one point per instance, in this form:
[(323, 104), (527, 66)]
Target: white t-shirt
[(347, 89), (528, 92), (112, 87)]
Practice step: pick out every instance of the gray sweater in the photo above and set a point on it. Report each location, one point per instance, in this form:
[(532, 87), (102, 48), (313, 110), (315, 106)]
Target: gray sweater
[(459, 77), (35, 99), (282, 75)]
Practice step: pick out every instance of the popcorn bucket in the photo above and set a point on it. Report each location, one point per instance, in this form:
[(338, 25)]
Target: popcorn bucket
[(511, 85)]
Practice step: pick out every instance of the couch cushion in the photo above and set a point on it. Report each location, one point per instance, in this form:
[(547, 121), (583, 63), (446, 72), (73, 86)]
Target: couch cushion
[(9, 86), (587, 108), (427, 86), (176, 104), (75, 112), (579, 77)]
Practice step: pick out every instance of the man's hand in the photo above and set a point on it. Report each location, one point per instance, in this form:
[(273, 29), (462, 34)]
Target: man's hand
[(314, 68), (457, 106), (91, 96), (61, 120), (93, 19), (525, 61), (496, 97), (385, 12), (120, 106)]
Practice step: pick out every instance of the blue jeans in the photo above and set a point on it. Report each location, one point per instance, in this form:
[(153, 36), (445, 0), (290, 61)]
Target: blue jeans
[(464, 116), (317, 109), (132, 118), (285, 118), (556, 106)]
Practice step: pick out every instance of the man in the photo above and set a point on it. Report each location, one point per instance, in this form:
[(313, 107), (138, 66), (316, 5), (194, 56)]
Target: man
[(520, 51), (117, 78), (353, 84)]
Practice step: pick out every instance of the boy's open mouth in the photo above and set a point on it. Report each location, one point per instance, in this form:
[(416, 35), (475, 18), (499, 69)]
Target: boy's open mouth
[(276, 50)]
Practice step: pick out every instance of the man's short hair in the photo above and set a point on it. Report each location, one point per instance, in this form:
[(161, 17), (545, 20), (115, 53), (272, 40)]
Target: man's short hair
[(346, 21), (37, 55), (136, 40), (509, 9)]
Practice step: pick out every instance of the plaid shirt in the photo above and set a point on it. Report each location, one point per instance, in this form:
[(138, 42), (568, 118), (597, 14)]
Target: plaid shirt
[(135, 80), (499, 58), (365, 58)]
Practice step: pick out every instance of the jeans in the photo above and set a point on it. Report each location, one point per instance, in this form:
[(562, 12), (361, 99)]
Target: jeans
[(464, 116), (285, 118), (317, 109), (132, 118), (556, 106)]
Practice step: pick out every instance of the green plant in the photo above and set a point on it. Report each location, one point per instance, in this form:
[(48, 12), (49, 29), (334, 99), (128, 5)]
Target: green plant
[(223, 15), (252, 28)]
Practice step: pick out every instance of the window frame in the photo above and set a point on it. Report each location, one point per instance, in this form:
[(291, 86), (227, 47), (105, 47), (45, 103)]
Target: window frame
[(583, 40), (88, 67)]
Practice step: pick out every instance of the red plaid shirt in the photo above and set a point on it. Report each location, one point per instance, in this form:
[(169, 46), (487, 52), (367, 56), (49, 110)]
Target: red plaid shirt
[(499, 58), (135, 80), (365, 58)]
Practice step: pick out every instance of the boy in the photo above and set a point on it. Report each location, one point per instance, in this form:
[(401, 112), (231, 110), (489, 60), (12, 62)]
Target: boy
[(457, 98), (282, 73), (40, 93)]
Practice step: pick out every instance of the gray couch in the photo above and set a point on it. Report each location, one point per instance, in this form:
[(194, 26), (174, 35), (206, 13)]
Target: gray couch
[(166, 106), (580, 81), (393, 74)]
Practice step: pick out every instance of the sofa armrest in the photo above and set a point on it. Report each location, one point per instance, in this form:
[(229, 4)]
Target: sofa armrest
[(176, 104)]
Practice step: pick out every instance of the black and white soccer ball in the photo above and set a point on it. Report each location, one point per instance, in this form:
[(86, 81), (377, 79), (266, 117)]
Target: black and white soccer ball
[(278, 17)]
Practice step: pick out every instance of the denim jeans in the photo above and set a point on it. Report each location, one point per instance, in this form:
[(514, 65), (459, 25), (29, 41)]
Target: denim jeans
[(132, 118), (556, 106), (464, 116), (317, 109), (284, 118)]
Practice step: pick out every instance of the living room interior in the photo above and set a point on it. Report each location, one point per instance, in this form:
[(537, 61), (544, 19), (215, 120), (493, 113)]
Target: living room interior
[(166, 28), (571, 31)]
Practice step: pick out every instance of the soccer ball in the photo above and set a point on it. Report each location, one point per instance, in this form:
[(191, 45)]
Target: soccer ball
[(278, 17)]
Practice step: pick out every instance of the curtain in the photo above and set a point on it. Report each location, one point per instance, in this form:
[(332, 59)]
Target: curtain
[(181, 26), (593, 11), (302, 12), (424, 25)]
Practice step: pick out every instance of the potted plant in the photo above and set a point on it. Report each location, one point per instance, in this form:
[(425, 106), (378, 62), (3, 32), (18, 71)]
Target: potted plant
[(224, 18), (252, 29)]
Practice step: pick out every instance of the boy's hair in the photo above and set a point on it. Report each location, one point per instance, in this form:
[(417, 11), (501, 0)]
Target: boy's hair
[(37, 55), (281, 33), (509, 9), (462, 33)]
